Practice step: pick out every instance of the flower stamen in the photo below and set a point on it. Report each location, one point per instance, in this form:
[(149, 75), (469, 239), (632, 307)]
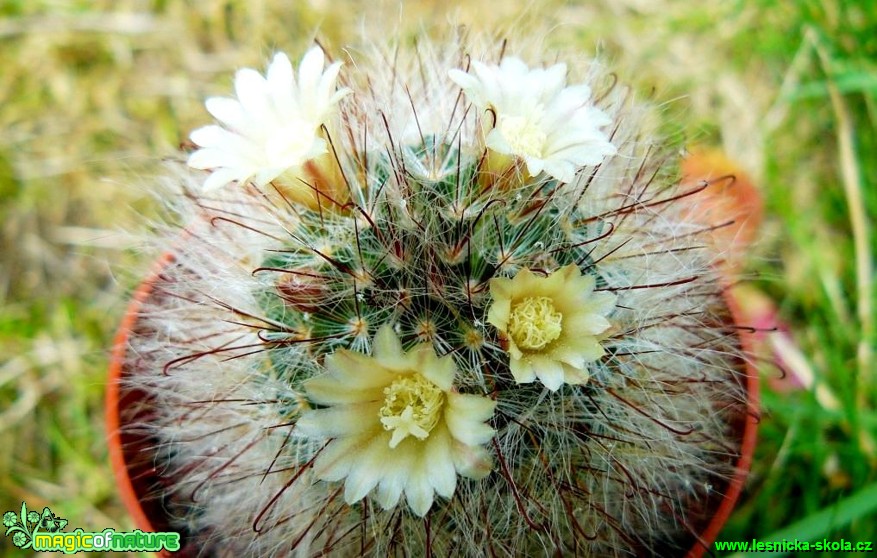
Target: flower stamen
[(523, 135), (412, 407), (534, 323)]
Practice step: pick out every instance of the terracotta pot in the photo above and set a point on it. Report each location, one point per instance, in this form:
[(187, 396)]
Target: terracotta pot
[(747, 443), (139, 483), (130, 452)]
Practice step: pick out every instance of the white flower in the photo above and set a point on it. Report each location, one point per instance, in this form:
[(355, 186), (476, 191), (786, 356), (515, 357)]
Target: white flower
[(394, 423), (272, 126), (550, 126), (553, 325)]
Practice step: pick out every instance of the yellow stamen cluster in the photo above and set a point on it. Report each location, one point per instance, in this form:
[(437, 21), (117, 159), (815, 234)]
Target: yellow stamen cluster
[(523, 135), (412, 407), (534, 323)]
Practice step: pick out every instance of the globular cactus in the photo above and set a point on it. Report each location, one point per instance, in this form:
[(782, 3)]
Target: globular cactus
[(437, 303)]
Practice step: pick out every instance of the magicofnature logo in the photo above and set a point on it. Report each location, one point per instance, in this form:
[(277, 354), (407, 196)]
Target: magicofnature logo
[(43, 533)]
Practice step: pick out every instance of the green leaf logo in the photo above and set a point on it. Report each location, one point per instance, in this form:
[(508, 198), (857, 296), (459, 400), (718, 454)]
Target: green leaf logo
[(50, 522), (24, 525)]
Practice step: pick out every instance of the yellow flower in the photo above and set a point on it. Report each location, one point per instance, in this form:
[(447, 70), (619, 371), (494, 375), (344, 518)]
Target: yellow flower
[(553, 325), (394, 423)]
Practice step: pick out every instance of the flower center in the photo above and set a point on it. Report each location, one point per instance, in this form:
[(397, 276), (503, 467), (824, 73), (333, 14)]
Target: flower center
[(523, 135), (289, 144), (412, 407), (534, 322)]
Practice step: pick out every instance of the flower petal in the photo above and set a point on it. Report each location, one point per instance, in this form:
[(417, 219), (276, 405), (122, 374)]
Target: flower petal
[(585, 325), (205, 159), (522, 370), (365, 472), (549, 372), (396, 473), (569, 354), (465, 418), (251, 90), (472, 462), (535, 165), (340, 420), (602, 302), (468, 431), (498, 315), (228, 111), (310, 69), (350, 368), (329, 390), (475, 407), (327, 88), (439, 371), (496, 141), (220, 178), (208, 136), (280, 75), (575, 376), (442, 473), (419, 491), (339, 455), (387, 348)]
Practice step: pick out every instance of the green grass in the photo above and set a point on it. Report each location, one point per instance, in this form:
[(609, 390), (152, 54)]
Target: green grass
[(820, 270), (93, 95)]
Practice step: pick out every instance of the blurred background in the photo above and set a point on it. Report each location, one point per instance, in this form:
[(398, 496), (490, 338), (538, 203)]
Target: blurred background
[(96, 95)]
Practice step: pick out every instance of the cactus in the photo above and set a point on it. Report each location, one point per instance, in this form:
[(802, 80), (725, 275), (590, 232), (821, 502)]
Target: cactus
[(463, 310)]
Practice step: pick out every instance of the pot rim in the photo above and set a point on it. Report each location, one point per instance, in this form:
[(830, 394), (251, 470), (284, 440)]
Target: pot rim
[(114, 395), (705, 540)]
